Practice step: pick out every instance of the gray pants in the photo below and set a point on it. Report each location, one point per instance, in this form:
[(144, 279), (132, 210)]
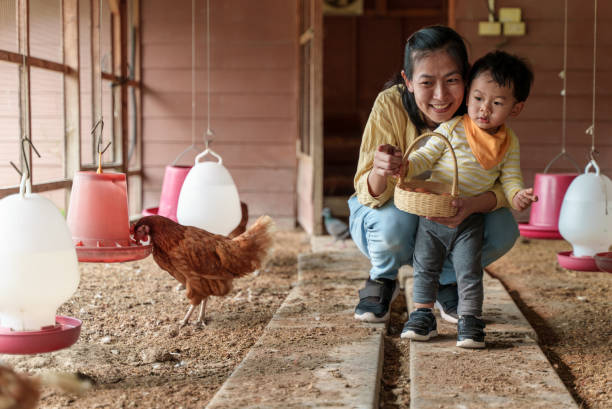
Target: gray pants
[(434, 242)]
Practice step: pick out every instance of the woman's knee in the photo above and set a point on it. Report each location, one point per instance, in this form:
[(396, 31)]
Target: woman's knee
[(501, 232), (394, 228)]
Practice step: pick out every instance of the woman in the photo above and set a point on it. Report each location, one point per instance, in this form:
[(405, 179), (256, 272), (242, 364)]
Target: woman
[(429, 91)]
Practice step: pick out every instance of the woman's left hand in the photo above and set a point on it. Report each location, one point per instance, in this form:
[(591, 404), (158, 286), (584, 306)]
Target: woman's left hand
[(465, 207)]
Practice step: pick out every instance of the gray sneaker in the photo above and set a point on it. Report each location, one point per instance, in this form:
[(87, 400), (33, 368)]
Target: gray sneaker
[(375, 300)]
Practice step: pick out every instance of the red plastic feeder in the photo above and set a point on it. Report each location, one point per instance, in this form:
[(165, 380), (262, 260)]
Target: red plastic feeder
[(567, 260), (544, 217), (99, 221), (604, 261), (63, 334), (171, 189)]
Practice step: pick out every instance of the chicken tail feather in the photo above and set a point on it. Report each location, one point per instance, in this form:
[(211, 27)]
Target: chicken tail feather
[(256, 241)]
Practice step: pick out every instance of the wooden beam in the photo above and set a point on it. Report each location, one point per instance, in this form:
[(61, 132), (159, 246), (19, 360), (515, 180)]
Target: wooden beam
[(42, 187), (17, 58), (72, 92), (118, 127)]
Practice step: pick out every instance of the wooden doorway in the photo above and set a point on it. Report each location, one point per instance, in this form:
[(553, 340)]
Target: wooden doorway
[(310, 145), (361, 52)]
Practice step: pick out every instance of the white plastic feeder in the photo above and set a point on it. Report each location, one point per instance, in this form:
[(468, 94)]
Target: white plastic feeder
[(209, 198), (38, 262), (585, 219)]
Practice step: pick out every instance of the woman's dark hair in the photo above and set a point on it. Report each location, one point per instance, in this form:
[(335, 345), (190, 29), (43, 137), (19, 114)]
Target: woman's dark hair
[(419, 45), (507, 70)]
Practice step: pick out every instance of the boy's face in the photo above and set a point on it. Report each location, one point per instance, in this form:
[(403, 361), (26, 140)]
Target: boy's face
[(489, 105)]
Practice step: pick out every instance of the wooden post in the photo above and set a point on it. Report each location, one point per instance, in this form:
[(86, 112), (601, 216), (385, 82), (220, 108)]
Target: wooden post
[(96, 70), (316, 112), (23, 29), (72, 92)]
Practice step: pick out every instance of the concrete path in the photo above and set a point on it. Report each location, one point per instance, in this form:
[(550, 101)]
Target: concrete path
[(314, 354), (445, 376)]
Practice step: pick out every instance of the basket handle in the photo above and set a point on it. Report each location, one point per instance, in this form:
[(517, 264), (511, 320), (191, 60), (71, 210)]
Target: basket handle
[(455, 188)]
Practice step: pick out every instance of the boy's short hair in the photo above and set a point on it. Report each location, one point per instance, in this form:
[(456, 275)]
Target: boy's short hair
[(507, 70)]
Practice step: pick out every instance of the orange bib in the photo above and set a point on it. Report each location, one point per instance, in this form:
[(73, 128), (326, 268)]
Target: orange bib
[(488, 149)]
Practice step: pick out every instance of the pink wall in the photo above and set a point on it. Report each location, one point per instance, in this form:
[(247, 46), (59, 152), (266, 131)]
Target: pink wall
[(254, 96)]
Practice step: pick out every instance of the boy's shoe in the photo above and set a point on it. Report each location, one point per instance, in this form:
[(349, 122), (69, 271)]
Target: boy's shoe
[(447, 302), (470, 332), (421, 325), (375, 299)]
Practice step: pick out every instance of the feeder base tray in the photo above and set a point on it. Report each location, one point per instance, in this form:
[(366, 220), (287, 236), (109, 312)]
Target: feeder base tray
[(63, 334), (568, 261), (536, 232), (151, 211), (604, 261), (112, 254)]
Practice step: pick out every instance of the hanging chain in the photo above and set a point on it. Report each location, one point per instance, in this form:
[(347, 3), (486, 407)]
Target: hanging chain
[(591, 129), (100, 122), (209, 132)]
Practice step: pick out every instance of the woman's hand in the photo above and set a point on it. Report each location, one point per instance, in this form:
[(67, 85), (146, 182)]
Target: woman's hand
[(387, 162), (466, 206)]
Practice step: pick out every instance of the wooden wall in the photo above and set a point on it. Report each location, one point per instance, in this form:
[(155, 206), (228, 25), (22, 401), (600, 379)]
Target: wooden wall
[(539, 125), (253, 96)]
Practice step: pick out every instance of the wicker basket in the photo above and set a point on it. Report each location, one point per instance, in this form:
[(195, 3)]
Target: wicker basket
[(436, 203)]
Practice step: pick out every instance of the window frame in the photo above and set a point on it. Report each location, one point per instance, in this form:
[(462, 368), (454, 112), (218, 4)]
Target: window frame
[(121, 77)]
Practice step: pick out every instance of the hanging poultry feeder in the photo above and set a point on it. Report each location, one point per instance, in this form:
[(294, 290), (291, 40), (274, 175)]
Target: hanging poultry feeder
[(38, 273), (171, 189), (209, 198), (585, 219), (99, 220), (544, 217)]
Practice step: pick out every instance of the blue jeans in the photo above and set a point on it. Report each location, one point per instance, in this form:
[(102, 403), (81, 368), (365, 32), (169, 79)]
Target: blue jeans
[(386, 235)]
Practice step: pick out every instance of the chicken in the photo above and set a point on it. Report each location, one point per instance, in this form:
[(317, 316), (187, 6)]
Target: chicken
[(204, 262), (241, 228), (18, 391)]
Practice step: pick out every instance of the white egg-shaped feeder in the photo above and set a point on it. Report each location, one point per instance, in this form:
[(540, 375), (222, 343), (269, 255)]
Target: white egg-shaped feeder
[(585, 219), (209, 198), (38, 272)]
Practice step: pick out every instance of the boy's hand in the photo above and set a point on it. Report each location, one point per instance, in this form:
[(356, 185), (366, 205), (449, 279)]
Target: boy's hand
[(523, 199)]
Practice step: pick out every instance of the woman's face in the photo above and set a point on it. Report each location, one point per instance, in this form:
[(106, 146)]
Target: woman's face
[(437, 86)]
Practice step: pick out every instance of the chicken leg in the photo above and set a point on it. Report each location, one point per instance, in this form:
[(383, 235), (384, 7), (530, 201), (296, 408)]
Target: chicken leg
[(200, 320)]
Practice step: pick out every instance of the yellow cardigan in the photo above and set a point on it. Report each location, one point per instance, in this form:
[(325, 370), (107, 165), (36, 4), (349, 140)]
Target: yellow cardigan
[(389, 123)]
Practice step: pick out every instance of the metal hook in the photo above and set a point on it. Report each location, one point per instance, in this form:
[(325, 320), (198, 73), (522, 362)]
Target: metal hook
[(592, 153), (25, 157), (208, 139), (99, 123)]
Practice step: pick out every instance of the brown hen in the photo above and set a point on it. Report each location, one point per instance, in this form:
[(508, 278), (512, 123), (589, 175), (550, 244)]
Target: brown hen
[(204, 262)]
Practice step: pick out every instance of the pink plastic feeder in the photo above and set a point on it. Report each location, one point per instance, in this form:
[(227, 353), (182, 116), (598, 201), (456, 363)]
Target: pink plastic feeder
[(171, 189), (567, 260), (604, 261), (544, 217), (63, 334), (99, 221)]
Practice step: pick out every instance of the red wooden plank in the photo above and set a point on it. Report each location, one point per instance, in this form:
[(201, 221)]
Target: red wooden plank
[(166, 105), (248, 155), (227, 130)]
